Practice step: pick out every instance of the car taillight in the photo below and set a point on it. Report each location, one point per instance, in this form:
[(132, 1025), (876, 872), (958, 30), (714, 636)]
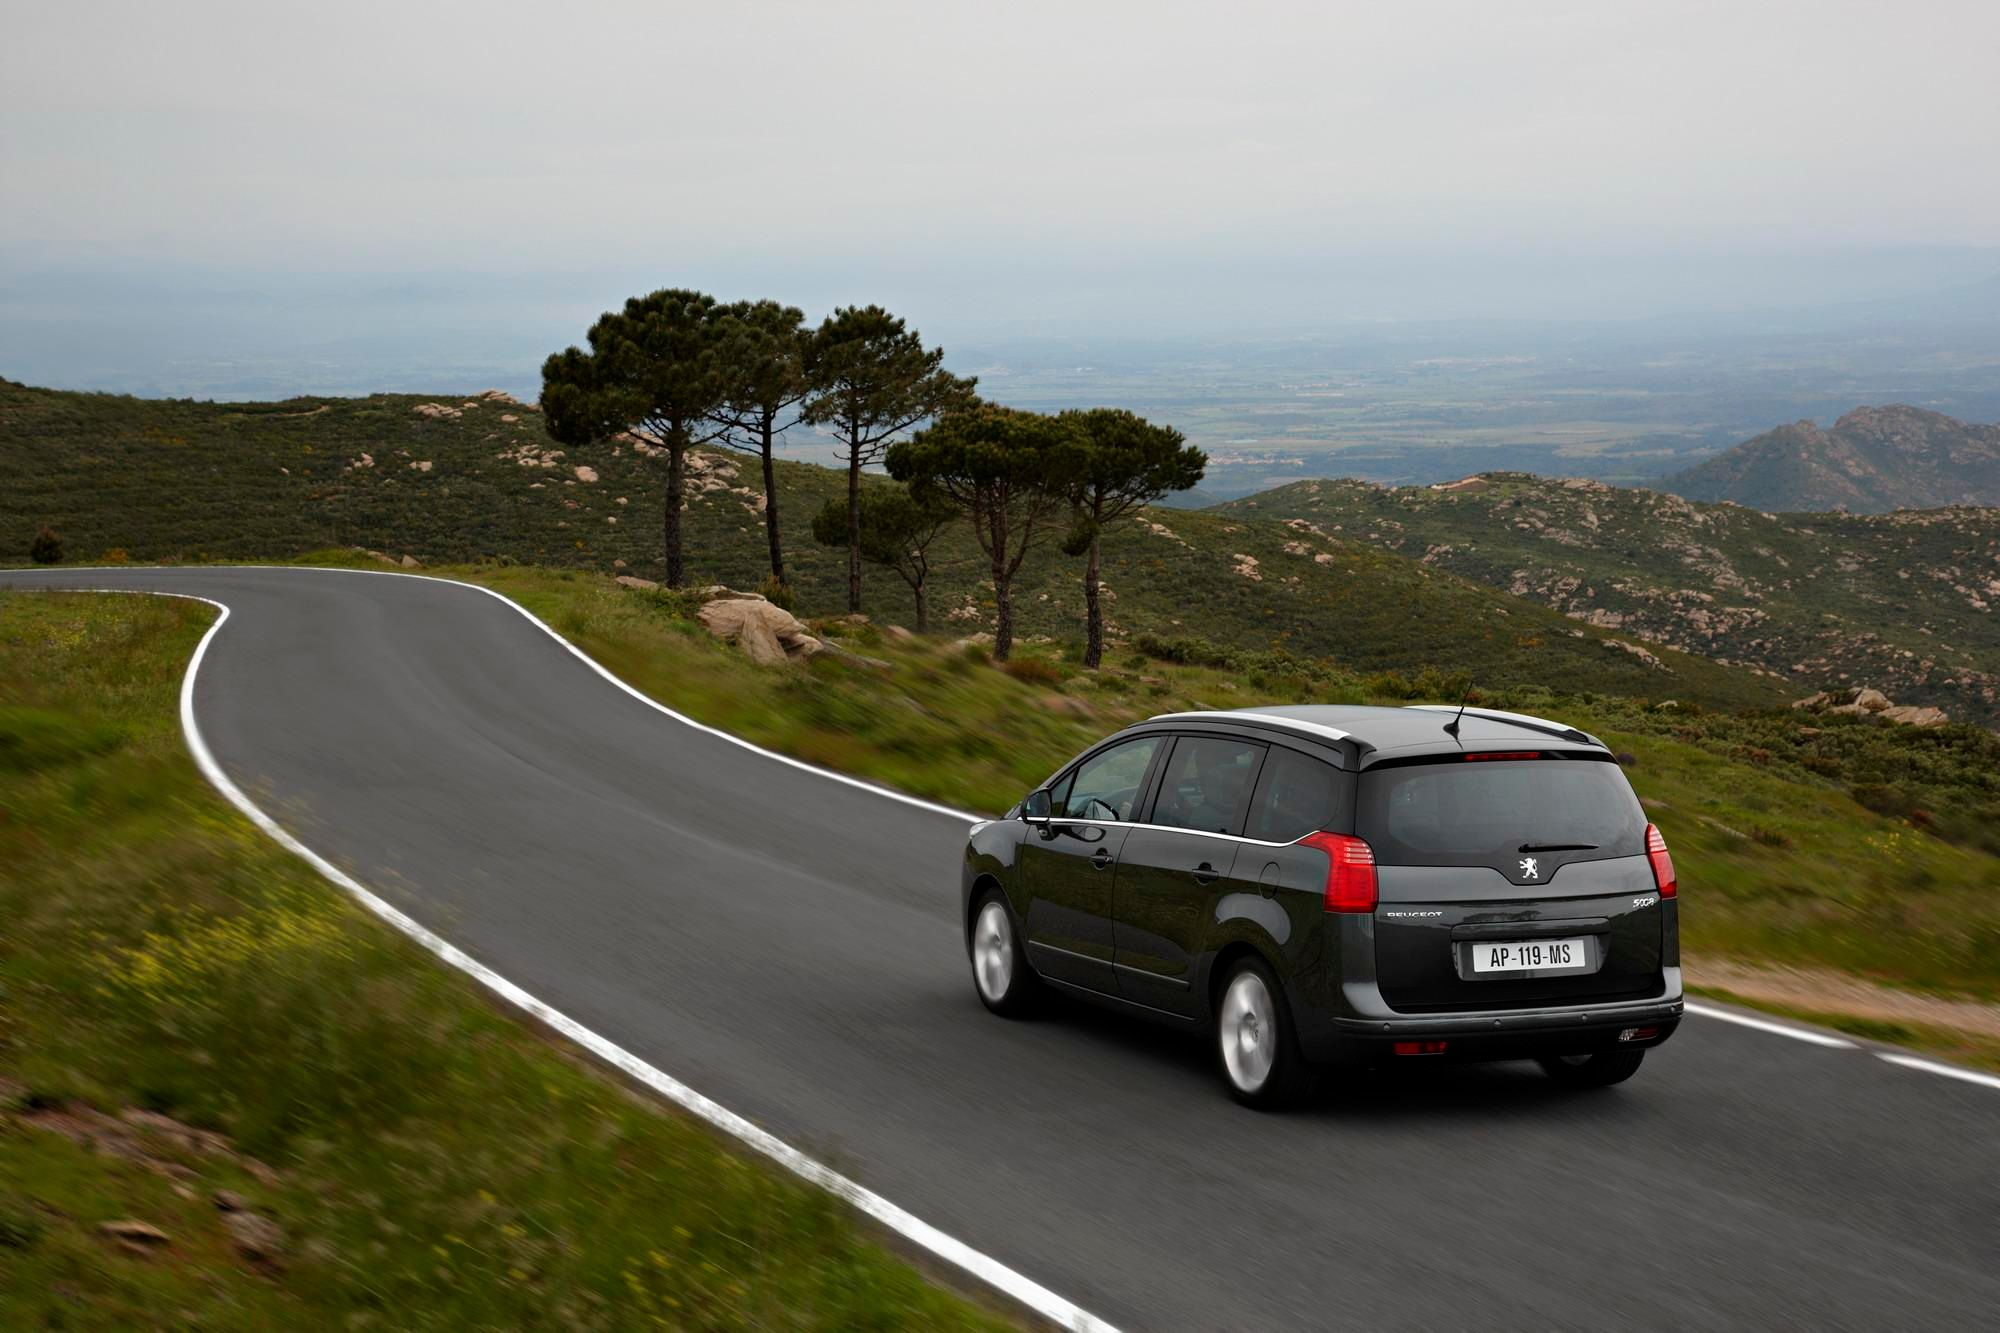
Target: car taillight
[(1350, 871), (1478, 755), (1663, 864)]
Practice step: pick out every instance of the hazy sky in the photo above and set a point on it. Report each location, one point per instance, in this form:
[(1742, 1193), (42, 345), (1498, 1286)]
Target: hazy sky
[(956, 152)]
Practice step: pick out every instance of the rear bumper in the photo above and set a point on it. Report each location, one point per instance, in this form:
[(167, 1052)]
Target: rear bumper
[(1498, 1035)]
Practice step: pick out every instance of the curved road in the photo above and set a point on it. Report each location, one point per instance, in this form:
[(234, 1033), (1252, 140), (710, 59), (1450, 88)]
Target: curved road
[(789, 946)]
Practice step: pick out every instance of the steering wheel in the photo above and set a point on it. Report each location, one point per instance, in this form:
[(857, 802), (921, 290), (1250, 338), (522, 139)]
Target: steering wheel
[(1090, 801)]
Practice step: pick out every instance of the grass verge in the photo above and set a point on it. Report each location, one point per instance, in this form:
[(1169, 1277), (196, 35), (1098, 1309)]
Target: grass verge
[(1951, 1044), (232, 1099)]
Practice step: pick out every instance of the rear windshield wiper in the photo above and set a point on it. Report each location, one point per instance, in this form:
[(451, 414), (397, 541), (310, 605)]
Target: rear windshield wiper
[(1558, 846)]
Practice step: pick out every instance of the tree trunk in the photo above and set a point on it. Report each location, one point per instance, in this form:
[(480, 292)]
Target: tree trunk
[(1003, 589), (1093, 613), (771, 506), (676, 479), (854, 530), (923, 607)]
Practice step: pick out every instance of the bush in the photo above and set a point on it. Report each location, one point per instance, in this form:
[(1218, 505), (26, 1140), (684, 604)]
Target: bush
[(46, 549), (1032, 671), (777, 594)]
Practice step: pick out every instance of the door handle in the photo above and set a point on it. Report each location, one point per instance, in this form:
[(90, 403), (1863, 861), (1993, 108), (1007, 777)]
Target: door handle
[(1101, 859), (1206, 873)]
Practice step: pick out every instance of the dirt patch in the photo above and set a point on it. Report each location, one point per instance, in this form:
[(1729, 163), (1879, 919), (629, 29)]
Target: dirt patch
[(1832, 992)]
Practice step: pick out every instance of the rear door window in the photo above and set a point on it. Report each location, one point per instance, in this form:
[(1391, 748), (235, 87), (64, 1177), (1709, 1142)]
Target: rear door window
[(1107, 785), (1485, 813), (1207, 784), (1297, 794)]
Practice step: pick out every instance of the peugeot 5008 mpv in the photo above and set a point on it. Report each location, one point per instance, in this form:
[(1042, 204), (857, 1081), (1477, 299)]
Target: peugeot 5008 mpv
[(1323, 885)]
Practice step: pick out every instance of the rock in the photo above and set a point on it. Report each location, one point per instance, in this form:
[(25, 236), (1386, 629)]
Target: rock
[(257, 1237), (898, 633), (1322, 559), (586, 473), (229, 1201), (411, 562), (509, 418), (1912, 715), (438, 411), (618, 564), (1246, 565), (767, 633), (135, 1235), (631, 581), (424, 466), (1871, 701)]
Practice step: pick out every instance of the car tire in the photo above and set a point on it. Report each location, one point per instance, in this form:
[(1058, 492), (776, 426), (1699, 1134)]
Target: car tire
[(1000, 971), (1598, 1070), (1256, 1048)]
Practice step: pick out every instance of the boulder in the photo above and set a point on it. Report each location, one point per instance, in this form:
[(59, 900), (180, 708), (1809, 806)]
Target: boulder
[(632, 581), (766, 632), (1913, 715), (586, 473)]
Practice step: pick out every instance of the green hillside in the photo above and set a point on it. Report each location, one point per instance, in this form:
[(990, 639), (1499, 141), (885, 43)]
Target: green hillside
[(1902, 602), (179, 480)]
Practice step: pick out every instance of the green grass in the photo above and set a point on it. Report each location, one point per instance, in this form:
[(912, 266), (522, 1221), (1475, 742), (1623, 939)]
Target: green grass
[(433, 1162), (1781, 862)]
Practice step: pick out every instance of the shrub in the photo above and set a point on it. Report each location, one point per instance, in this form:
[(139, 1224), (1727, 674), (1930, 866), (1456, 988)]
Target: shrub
[(1032, 671), (777, 594), (117, 555), (46, 549)]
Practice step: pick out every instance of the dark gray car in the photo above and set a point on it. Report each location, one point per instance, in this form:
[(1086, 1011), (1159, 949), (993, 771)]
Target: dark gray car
[(1320, 885)]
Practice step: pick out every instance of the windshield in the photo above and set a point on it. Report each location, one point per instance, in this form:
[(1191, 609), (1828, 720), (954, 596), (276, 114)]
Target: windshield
[(1455, 812)]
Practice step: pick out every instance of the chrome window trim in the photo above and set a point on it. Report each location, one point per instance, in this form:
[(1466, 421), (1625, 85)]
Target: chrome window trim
[(1270, 719), (1171, 828)]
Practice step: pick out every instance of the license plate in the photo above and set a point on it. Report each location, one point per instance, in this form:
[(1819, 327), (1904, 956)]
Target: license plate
[(1530, 956)]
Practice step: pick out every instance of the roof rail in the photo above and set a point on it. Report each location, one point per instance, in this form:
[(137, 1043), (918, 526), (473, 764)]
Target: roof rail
[(1270, 719), (1525, 721)]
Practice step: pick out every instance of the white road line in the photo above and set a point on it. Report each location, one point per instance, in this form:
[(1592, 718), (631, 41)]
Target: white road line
[(1932, 1067), (912, 1228), (1796, 1034)]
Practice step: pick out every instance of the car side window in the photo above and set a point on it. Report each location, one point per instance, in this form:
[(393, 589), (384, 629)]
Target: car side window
[(1296, 794), (1106, 785), (1207, 784)]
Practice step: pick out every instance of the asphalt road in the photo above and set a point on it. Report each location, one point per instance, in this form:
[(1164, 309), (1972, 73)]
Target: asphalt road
[(789, 946)]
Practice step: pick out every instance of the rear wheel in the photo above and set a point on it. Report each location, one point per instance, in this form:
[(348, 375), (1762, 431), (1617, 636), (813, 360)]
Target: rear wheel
[(1255, 1046), (1599, 1070), (1000, 971)]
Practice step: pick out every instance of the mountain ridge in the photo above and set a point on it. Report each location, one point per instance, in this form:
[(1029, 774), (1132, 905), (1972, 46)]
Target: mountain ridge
[(1872, 460)]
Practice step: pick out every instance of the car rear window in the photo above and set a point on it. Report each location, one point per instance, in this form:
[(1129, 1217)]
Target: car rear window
[(1456, 812)]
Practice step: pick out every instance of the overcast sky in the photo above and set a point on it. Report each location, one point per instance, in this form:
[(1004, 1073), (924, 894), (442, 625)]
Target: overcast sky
[(823, 147)]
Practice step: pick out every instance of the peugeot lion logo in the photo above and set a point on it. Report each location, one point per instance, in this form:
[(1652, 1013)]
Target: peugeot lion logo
[(1530, 868)]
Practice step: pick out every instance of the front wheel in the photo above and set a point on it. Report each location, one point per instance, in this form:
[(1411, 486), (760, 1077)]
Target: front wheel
[(1255, 1045), (1000, 970), (1600, 1070)]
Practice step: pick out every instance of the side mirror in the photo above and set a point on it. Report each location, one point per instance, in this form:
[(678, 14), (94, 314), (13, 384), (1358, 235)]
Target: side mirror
[(1036, 808)]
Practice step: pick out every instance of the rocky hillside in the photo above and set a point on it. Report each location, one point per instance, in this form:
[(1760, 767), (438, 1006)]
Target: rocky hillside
[(1903, 603), (477, 478), (1873, 460)]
